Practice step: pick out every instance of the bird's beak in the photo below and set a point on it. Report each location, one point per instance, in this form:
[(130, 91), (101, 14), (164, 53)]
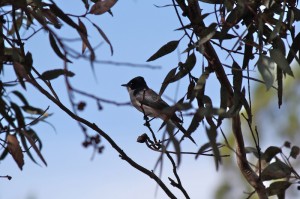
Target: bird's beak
[(125, 85)]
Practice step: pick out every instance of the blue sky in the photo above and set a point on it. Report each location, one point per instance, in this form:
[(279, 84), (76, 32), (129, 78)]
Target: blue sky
[(136, 31)]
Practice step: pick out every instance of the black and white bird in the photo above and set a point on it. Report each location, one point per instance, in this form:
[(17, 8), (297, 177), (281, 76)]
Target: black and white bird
[(150, 103)]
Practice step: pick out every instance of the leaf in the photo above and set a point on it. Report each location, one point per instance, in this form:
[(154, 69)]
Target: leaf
[(278, 26), (85, 42), (26, 148), (248, 50), (15, 150), (32, 110), (270, 153), (167, 80), (278, 187), (84, 34), (265, 67), (276, 170), (295, 152), (20, 96), (237, 77), (32, 143), (207, 33), (104, 37), (18, 115), (59, 13), (202, 149), (53, 74), (164, 50), (279, 86), (56, 48), (281, 61), (294, 49), (223, 102), (212, 136), (102, 6), (201, 83), (197, 118), (185, 68)]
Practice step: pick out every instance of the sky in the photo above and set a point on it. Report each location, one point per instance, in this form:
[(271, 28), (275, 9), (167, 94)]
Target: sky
[(136, 31)]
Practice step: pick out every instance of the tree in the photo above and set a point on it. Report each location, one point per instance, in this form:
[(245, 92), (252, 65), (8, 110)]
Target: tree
[(251, 33)]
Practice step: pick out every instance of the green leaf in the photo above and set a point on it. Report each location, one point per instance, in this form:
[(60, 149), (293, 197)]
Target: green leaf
[(266, 67), (202, 149), (281, 61), (276, 170), (53, 74), (278, 187), (164, 50)]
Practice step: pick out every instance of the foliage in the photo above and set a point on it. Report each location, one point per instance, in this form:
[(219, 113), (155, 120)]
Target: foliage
[(248, 33)]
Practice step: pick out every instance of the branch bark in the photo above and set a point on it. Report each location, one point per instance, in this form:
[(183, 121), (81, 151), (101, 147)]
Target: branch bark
[(193, 12)]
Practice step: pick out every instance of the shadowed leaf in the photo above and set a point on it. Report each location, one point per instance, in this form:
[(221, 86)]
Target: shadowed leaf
[(53, 74), (164, 50), (15, 150), (281, 61), (276, 170), (265, 67), (278, 187), (104, 37), (56, 48)]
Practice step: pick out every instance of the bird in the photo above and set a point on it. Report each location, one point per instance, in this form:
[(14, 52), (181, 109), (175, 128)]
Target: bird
[(150, 103)]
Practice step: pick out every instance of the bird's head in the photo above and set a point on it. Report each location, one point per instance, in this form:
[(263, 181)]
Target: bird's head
[(137, 83)]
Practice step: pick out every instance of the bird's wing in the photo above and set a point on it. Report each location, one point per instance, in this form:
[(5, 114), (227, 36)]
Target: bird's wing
[(152, 99)]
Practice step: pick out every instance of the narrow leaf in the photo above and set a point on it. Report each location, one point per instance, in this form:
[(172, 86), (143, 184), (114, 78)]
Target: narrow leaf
[(53, 74), (32, 143), (167, 80), (265, 67), (104, 37), (103, 6), (15, 150), (56, 48), (270, 153), (281, 61), (20, 96), (164, 50)]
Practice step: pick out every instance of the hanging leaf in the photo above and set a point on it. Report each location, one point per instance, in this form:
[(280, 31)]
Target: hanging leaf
[(164, 50), (18, 115), (277, 188), (32, 110), (276, 170), (207, 33), (32, 143), (104, 37), (102, 6), (237, 77), (59, 13), (212, 136), (279, 86), (167, 80), (294, 49), (84, 34), (265, 67), (53, 74), (20, 96), (281, 61), (185, 68), (248, 50), (56, 48), (15, 150)]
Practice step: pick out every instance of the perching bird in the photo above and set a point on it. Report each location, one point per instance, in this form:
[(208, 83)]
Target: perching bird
[(150, 103)]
